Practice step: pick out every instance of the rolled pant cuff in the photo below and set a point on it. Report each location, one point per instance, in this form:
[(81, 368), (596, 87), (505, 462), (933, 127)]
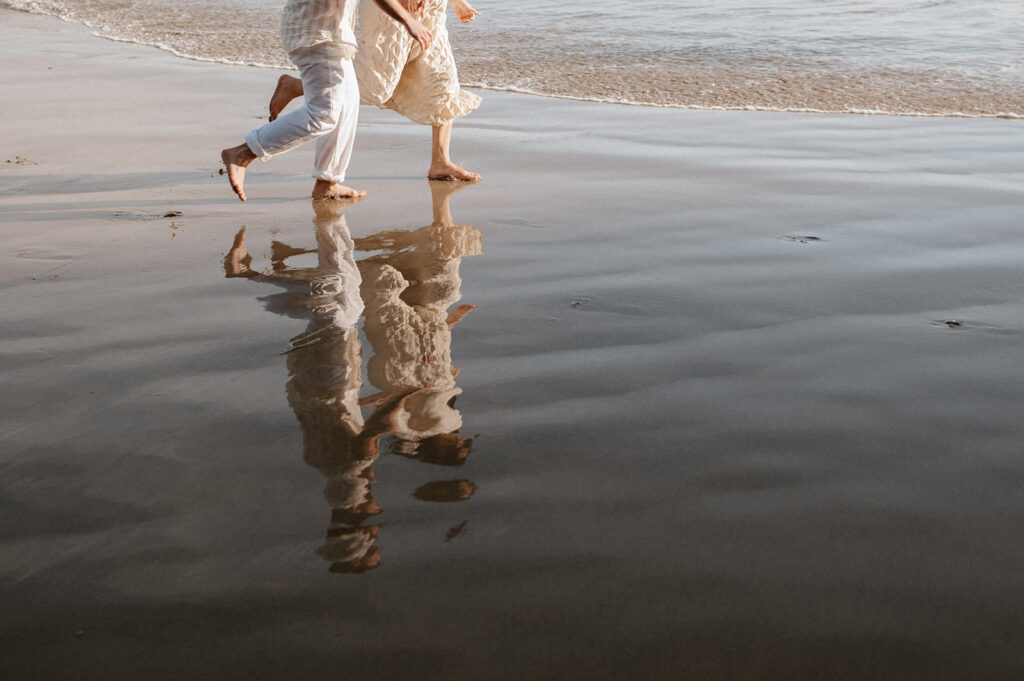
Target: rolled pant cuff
[(252, 141), (321, 175)]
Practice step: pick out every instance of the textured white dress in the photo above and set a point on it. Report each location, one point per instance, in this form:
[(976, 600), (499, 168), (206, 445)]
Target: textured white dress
[(395, 73)]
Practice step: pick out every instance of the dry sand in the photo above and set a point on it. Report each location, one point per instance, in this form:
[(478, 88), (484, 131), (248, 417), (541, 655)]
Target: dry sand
[(722, 426)]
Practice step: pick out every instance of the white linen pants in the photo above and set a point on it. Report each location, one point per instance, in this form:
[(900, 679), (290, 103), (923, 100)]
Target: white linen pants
[(329, 115)]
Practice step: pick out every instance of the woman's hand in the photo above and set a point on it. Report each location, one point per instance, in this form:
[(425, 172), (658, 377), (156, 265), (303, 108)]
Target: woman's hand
[(419, 32), (464, 11), (415, 7), (401, 10)]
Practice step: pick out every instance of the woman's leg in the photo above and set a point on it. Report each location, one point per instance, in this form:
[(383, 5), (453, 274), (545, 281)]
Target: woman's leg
[(441, 165)]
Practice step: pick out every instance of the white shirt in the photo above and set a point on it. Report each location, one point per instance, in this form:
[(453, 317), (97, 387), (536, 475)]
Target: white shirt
[(305, 23)]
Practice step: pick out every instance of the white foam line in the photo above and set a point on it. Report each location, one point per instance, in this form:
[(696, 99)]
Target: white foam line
[(98, 32), (191, 57), (747, 107), (525, 91)]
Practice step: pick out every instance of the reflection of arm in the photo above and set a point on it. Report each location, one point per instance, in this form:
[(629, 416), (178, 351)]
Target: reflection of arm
[(382, 420), (458, 314)]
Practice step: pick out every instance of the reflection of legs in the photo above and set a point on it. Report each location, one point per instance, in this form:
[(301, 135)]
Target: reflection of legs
[(441, 165), (441, 194)]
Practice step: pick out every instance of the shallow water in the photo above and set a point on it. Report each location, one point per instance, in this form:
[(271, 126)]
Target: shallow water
[(941, 57), (720, 427)]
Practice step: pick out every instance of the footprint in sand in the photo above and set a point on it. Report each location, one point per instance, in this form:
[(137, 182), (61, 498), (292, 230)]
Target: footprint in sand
[(975, 326), (42, 254), (133, 215)]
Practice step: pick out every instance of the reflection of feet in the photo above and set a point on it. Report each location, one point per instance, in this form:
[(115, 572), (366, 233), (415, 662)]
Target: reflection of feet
[(451, 172), (325, 189), (445, 490), (288, 88), (329, 210), (440, 193), (235, 161), (279, 252), (236, 262)]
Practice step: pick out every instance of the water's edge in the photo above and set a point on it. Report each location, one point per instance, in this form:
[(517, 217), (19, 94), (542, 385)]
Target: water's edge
[(98, 33)]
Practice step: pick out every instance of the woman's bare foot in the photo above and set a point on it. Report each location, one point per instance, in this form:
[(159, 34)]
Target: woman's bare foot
[(325, 189), (288, 88), (449, 171), (235, 161)]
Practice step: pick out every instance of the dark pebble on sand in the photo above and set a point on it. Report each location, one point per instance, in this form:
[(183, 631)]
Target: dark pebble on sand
[(172, 213)]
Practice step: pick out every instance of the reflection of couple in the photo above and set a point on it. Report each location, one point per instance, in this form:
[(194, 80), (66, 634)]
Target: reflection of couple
[(404, 62), (405, 291)]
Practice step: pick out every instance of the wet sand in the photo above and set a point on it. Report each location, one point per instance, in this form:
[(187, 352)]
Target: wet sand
[(743, 390)]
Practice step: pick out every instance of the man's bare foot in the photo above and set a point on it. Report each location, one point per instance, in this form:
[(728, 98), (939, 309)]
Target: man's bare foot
[(235, 161), (288, 88), (279, 252), (325, 189), (450, 171)]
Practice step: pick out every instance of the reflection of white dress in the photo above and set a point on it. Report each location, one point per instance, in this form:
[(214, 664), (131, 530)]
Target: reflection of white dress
[(394, 72), (407, 293)]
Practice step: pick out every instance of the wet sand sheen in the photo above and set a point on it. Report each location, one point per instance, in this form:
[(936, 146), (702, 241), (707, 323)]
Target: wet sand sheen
[(721, 428)]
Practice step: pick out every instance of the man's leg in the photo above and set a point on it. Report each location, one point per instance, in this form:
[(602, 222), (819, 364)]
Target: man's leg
[(288, 88), (322, 75), (334, 150)]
